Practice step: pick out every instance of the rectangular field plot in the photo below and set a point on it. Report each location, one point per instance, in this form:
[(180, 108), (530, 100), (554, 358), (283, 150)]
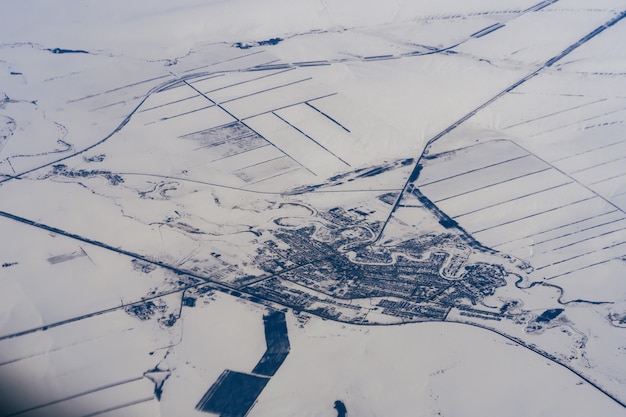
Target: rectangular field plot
[(488, 176), (602, 172), (612, 188), (219, 134), (267, 100), (468, 160), (188, 123), (573, 262), (535, 240), (246, 158), (502, 192), (591, 235), (215, 86), (176, 109), (321, 128), (233, 394), (227, 140), (602, 282), (341, 125), (266, 169), (278, 346), (296, 145), (570, 114), (516, 203), (235, 147), (599, 164), (524, 207), (571, 214), (581, 244), (594, 157), (258, 82)]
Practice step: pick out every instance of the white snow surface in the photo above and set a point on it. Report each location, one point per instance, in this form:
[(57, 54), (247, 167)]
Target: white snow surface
[(157, 159)]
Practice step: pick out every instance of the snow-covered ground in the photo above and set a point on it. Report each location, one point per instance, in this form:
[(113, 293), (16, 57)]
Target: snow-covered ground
[(172, 172)]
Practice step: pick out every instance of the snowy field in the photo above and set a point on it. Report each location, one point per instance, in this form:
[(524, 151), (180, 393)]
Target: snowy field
[(312, 208)]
